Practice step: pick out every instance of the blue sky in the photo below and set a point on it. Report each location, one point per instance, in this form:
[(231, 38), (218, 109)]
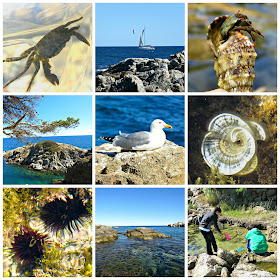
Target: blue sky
[(139, 206), (164, 22), (56, 107)]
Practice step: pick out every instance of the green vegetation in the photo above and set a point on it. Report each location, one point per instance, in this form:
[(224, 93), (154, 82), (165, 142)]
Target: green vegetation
[(48, 146), (20, 118)]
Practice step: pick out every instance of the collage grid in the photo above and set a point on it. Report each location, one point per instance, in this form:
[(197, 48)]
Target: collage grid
[(35, 241)]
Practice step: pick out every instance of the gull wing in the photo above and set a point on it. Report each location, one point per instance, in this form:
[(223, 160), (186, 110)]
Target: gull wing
[(129, 141)]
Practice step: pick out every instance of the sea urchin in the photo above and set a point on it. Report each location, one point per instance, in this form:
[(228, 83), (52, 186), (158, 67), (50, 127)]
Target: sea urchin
[(63, 214), (28, 245)]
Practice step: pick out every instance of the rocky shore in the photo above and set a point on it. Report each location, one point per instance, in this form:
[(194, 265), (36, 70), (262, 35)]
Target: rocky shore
[(144, 75), (145, 233), (236, 264), (105, 234), (179, 224), (46, 156), (163, 166)]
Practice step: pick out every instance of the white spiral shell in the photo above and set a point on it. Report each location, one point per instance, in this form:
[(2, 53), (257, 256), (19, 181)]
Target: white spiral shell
[(230, 144)]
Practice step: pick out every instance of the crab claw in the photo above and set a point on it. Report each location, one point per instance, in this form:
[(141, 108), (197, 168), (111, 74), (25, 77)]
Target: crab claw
[(81, 37), (53, 79)]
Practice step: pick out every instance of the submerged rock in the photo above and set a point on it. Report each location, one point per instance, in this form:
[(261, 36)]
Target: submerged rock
[(144, 75), (145, 233), (104, 234), (45, 156), (163, 166)]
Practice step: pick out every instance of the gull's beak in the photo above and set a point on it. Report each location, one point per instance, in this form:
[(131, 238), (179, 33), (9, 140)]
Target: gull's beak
[(168, 126)]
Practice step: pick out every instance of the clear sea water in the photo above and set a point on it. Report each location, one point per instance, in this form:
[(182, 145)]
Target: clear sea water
[(136, 113), (106, 56), (14, 175), (135, 257)]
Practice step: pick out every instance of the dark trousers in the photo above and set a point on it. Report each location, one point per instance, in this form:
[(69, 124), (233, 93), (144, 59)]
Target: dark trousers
[(210, 241)]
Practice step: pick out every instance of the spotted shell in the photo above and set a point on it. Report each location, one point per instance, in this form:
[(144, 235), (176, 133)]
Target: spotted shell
[(230, 145), (234, 58)]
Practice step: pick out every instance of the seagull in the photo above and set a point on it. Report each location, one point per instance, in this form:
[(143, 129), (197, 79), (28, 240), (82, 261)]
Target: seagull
[(142, 140)]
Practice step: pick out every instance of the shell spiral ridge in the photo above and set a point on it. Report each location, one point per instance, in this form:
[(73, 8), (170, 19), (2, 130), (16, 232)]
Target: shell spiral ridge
[(230, 145)]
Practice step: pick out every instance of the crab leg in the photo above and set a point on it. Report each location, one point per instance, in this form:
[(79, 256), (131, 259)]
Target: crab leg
[(37, 68), (23, 55), (27, 65), (70, 22), (50, 76)]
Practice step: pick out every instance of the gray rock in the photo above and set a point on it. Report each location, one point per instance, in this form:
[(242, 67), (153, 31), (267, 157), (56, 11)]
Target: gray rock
[(250, 270), (104, 234), (207, 266), (163, 166), (144, 75), (191, 262), (179, 224), (229, 257), (271, 234), (145, 233), (45, 156)]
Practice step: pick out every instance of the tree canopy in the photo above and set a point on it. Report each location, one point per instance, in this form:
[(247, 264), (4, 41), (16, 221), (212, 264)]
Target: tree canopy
[(20, 118)]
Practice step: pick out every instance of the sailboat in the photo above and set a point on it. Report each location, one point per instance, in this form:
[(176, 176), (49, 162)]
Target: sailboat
[(143, 46)]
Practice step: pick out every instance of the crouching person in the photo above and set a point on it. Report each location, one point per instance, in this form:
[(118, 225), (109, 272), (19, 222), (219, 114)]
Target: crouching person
[(256, 241)]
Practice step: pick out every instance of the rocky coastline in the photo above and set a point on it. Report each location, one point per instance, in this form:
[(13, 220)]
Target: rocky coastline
[(179, 224), (45, 156), (105, 234), (236, 265), (144, 75), (163, 166)]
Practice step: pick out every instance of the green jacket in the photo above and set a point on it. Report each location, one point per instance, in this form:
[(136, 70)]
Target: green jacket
[(257, 241)]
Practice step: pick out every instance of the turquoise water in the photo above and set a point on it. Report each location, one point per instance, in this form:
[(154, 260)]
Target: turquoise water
[(135, 257), (14, 175)]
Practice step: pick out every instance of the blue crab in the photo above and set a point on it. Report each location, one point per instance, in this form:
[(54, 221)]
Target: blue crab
[(49, 46)]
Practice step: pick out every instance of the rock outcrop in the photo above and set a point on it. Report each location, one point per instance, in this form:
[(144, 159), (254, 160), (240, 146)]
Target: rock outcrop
[(144, 75), (145, 233), (179, 224), (45, 156), (104, 234), (81, 171), (238, 266), (163, 166)]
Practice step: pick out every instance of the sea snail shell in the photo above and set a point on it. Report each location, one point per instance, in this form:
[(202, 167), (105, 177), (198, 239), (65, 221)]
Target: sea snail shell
[(230, 145)]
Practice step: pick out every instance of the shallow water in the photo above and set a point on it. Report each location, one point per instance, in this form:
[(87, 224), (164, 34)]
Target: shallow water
[(25, 24), (196, 242), (201, 57), (136, 257)]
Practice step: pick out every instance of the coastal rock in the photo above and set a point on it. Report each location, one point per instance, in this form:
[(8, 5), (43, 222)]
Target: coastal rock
[(179, 224), (250, 270), (45, 156), (208, 266), (105, 234), (145, 233), (229, 257), (191, 262), (271, 234), (163, 166), (81, 171), (144, 75)]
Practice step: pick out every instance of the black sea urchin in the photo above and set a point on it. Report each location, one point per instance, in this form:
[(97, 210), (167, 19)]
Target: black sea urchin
[(28, 245), (67, 214)]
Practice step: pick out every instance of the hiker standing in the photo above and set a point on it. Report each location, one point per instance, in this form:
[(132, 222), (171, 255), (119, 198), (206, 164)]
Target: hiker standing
[(205, 223)]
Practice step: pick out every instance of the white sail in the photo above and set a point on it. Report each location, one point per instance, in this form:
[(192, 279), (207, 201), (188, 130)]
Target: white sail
[(142, 45)]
